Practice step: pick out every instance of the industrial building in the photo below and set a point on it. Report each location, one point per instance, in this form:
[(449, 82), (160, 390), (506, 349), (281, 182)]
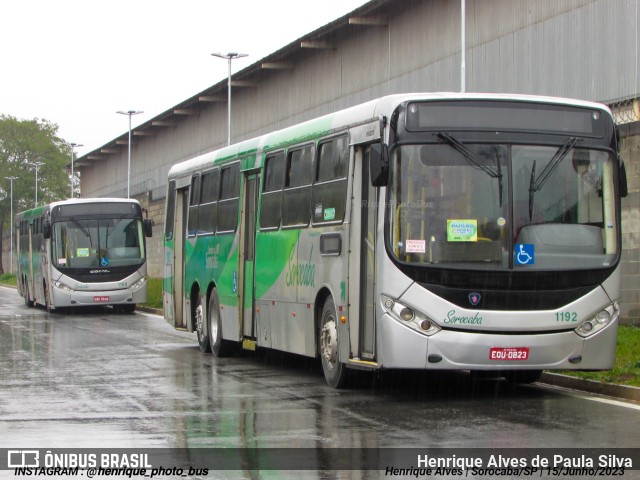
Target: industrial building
[(586, 49)]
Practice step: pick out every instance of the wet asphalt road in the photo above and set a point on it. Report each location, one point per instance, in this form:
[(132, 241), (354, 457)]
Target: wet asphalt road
[(95, 379)]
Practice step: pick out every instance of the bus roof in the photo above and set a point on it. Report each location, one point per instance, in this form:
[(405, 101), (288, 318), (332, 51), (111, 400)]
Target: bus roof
[(37, 211), (341, 119)]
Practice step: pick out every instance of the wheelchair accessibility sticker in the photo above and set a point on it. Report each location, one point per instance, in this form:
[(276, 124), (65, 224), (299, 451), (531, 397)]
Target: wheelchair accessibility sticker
[(524, 254)]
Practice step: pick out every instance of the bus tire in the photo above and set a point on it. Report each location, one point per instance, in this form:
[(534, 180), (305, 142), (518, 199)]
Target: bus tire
[(522, 376), (47, 303), (27, 300), (199, 319), (335, 372), (219, 348), (124, 308)]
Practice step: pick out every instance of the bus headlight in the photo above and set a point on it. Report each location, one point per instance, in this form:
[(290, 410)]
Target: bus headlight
[(410, 317), (599, 321), (63, 287), (406, 314)]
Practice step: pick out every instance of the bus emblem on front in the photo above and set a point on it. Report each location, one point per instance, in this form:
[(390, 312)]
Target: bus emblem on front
[(474, 298)]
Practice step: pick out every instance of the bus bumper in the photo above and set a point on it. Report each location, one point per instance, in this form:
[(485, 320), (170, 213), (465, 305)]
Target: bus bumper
[(63, 298), (464, 350)]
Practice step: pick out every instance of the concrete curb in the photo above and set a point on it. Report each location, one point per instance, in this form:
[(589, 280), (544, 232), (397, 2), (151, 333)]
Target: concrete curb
[(591, 386), (154, 311)]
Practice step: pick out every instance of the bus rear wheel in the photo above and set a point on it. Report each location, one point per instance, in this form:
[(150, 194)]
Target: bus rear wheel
[(335, 372), (199, 317), (219, 348)]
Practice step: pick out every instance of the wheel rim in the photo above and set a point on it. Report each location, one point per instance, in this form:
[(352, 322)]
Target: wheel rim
[(329, 344), (199, 321)]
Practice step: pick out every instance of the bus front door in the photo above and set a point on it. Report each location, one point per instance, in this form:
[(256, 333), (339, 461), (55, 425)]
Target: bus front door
[(368, 213), (246, 292), (180, 235), (362, 241)]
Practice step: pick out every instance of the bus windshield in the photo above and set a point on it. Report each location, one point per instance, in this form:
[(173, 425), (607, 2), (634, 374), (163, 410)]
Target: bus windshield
[(97, 243), (503, 206)]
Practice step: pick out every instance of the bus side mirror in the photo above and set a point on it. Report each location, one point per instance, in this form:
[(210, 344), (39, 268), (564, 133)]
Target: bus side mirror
[(624, 189), (379, 164), (46, 229), (148, 227)]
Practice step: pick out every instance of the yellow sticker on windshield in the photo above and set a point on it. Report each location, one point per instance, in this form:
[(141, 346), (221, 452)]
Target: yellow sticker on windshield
[(462, 230)]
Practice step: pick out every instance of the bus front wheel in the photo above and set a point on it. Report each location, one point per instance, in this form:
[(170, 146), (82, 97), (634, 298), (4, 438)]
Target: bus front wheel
[(47, 303), (125, 308), (219, 347), (522, 376), (335, 372), (27, 300)]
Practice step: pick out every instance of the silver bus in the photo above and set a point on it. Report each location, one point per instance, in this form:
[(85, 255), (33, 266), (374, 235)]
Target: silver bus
[(81, 252), (420, 231)]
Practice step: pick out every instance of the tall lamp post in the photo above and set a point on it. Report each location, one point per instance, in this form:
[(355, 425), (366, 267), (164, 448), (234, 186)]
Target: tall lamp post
[(11, 179), (463, 47), (73, 146), (129, 113), (229, 56), (37, 165)]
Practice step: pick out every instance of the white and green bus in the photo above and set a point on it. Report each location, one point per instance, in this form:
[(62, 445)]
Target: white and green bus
[(423, 231), (82, 252)]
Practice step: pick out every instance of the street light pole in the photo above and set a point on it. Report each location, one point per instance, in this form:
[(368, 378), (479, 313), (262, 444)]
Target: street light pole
[(11, 179), (37, 165), (463, 47), (129, 113), (229, 56), (73, 146)]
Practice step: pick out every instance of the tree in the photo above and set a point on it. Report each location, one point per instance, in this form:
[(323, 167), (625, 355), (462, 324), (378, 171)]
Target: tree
[(23, 142)]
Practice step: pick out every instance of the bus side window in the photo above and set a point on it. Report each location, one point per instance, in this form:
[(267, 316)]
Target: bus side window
[(208, 210), (296, 201), (194, 200), (330, 188), (228, 204), (272, 191)]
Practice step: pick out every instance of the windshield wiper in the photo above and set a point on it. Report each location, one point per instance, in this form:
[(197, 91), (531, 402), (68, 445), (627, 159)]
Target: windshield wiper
[(536, 184), (475, 160), (80, 227)]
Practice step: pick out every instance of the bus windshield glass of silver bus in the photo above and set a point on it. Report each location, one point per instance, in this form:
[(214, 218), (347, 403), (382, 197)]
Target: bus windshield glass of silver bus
[(81, 228), (475, 160), (536, 184), (111, 229)]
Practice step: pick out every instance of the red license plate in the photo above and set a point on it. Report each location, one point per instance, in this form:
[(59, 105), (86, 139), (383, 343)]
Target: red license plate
[(100, 299), (509, 353)]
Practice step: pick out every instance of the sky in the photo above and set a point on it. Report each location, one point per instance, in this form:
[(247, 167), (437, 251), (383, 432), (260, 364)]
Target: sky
[(76, 63)]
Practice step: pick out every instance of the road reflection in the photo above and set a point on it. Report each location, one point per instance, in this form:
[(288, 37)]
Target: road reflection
[(93, 379)]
